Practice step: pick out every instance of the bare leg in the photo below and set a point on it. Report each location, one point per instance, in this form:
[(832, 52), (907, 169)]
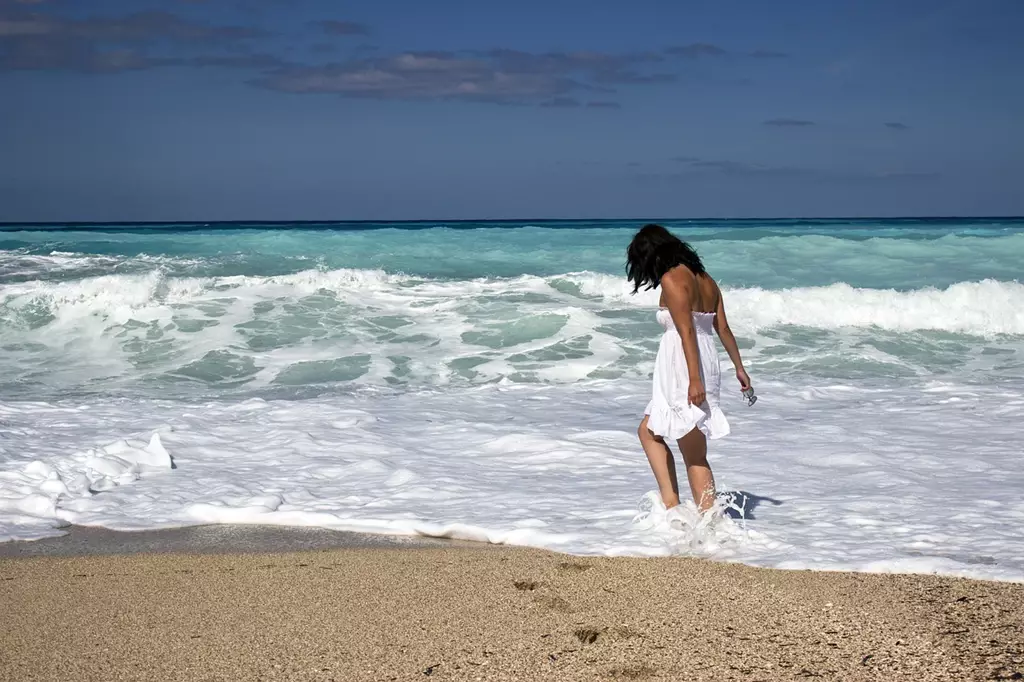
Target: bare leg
[(662, 464), (694, 447)]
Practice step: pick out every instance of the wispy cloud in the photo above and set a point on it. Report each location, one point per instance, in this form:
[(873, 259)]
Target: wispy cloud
[(562, 103), (907, 175), (422, 75), (56, 54), (895, 125), (726, 167), (33, 41), (241, 61), (695, 50), (789, 123), (344, 28), (137, 27), (601, 67), (692, 166), (499, 76), (573, 103)]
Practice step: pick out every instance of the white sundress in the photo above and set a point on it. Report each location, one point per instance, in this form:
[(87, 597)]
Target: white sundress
[(669, 414)]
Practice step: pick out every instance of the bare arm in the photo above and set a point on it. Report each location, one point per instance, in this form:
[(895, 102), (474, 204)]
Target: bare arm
[(678, 286), (729, 341)]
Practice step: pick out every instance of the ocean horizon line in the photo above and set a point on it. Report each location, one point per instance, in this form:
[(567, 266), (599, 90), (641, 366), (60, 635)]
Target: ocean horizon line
[(14, 226)]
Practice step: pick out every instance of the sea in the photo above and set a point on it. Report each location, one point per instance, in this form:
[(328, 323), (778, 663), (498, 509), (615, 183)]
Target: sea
[(484, 381)]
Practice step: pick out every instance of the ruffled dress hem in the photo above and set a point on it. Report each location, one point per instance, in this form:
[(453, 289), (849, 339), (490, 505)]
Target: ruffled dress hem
[(675, 421)]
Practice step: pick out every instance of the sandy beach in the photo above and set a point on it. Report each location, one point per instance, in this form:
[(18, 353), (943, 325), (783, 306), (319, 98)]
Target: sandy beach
[(533, 341), (491, 613)]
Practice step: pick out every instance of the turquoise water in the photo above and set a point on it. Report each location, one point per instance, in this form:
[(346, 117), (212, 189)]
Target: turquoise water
[(866, 253), (399, 378), (300, 309)]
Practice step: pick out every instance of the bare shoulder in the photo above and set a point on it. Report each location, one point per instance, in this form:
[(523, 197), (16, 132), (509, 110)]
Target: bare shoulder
[(679, 278), (712, 285), (713, 295)]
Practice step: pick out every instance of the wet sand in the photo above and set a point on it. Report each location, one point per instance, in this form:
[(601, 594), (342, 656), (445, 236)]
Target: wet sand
[(212, 539), (491, 613)]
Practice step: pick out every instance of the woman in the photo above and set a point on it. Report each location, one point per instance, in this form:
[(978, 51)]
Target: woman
[(687, 374)]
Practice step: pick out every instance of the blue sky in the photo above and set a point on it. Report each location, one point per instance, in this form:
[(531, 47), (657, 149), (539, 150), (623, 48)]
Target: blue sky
[(397, 109)]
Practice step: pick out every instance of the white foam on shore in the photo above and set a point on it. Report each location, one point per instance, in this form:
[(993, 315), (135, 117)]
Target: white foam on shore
[(916, 479), (161, 336), (42, 494), (982, 308)]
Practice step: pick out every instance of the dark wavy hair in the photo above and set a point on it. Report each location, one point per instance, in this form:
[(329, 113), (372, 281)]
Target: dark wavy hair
[(653, 252)]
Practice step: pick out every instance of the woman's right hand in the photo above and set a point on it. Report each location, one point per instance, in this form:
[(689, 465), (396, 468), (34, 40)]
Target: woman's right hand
[(743, 378), (695, 394)]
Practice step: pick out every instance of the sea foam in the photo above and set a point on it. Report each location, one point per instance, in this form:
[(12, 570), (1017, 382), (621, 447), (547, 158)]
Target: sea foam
[(982, 308), (832, 477), (486, 385), (159, 335)]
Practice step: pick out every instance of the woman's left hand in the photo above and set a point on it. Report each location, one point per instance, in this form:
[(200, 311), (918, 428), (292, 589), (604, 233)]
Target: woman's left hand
[(695, 394)]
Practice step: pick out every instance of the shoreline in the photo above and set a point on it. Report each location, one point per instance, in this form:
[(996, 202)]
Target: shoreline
[(455, 612), (82, 541), (241, 538)]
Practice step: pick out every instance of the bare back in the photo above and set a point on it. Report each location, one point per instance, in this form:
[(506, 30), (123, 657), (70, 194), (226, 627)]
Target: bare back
[(705, 295)]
